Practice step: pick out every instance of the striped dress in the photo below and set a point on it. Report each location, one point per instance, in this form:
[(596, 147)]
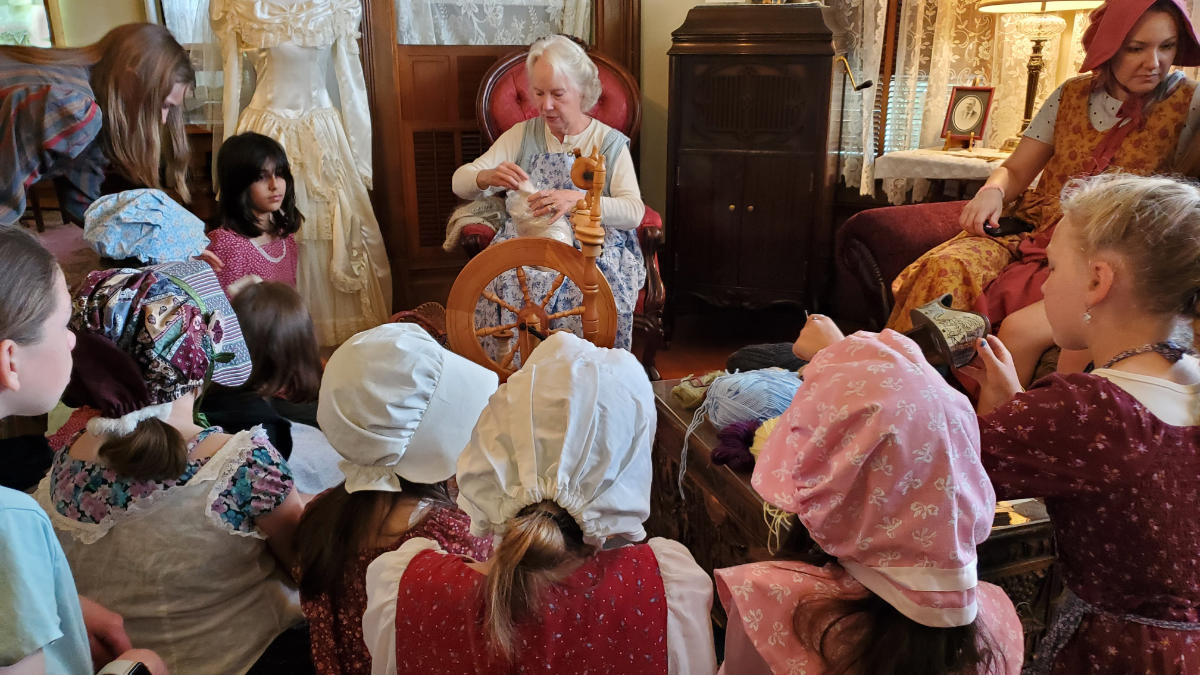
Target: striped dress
[(49, 122)]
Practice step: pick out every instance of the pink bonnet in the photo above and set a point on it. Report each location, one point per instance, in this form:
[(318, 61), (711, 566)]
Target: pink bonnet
[(879, 457), (1111, 23)]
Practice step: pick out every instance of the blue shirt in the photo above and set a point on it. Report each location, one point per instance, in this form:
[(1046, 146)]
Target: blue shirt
[(39, 607)]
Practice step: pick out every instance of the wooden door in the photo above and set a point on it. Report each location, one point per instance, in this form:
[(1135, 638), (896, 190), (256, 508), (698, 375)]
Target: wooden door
[(777, 223), (709, 209)]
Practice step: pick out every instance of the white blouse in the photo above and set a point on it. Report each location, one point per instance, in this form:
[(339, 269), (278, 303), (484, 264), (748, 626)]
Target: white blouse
[(622, 211), (1173, 403), (688, 589)]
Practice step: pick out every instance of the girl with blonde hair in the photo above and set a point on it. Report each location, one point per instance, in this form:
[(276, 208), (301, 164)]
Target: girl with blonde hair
[(73, 113)]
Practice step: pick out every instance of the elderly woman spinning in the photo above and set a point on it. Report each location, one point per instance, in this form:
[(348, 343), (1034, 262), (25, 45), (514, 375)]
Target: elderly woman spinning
[(564, 83)]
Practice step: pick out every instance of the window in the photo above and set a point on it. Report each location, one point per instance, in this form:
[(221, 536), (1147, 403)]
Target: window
[(489, 22)]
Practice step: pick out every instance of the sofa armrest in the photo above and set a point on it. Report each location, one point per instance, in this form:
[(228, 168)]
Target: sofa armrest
[(874, 246), (475, 238)]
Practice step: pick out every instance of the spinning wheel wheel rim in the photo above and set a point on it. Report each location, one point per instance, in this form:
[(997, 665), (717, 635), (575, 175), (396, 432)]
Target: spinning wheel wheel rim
[(508, 255)]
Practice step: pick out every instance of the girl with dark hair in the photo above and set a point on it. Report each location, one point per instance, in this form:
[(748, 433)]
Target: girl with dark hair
[(879, 458), (70, 114), (258, 211), (399, 409), (558, 466), (47, 626), (286, 375), (183, 529)]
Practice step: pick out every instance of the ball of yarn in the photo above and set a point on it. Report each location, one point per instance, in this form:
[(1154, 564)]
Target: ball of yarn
[(755, 395)]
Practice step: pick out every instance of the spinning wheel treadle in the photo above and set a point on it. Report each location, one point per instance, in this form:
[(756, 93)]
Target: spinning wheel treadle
[(532, 325)]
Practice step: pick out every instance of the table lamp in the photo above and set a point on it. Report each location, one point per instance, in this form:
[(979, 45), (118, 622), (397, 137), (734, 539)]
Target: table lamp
[(1038, 26)]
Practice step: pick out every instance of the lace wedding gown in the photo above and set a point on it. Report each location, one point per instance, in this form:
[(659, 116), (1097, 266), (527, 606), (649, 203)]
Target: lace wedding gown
[(344, 275)]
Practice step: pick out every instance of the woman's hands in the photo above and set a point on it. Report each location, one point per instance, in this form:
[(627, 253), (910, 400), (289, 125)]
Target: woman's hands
[(106, 631), (983, 210), (558, 202), (993, 369), (508, 175), (818, 333)]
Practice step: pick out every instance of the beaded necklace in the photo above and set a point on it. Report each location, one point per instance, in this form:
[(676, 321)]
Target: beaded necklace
[(1168, 350)]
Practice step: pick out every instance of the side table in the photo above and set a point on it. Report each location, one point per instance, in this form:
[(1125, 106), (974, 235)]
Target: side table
[(913, 170)]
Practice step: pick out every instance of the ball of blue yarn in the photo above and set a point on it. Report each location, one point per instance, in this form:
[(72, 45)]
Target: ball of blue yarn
[(752, 395)]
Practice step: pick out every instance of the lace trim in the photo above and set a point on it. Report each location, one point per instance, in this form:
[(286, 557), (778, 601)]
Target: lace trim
[(90, 533), (263, 25), (227, 461)]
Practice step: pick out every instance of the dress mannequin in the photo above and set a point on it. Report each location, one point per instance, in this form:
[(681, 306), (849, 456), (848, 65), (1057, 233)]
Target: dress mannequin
[(344, 275)]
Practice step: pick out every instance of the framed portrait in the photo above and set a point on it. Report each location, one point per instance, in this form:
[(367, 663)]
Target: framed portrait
[(967, 113)]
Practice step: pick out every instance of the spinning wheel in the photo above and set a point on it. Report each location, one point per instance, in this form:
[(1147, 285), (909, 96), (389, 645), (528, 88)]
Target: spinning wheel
[(532, 324)]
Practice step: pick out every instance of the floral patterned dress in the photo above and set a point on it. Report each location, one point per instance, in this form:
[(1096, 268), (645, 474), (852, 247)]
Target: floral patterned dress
[(1123, 491), (192, 540), (273, 261), (620, 262), (965, 265), (336, 627)]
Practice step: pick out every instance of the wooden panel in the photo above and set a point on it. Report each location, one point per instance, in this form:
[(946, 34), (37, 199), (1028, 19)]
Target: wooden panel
[(428, 76), (434, 162), (617, 32), (777, 206), (709, 189)]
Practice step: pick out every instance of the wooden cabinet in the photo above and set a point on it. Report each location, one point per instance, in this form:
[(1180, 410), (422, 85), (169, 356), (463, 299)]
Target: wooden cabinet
[(750, 197)]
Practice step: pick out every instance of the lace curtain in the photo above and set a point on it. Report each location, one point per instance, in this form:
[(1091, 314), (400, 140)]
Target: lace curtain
[(970, 47), (489, 22)]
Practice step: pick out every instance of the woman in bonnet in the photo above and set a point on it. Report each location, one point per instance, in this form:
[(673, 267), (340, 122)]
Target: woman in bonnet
[(558, 468), (183, 529)]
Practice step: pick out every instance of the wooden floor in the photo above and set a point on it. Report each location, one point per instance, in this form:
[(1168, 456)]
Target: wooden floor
[(701, 342)]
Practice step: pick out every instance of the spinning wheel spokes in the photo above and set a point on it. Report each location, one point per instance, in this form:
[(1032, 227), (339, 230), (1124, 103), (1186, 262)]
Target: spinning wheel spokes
[(531, 322)]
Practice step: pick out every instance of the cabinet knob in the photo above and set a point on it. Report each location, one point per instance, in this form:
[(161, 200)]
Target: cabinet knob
[(732, 207), (750, 208)]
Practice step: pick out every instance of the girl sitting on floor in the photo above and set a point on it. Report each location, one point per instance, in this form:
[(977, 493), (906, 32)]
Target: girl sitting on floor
[(559, 467), (879, 457), (176, 526), (1114, 451), (399, 409), (47, 626), (258, 211)]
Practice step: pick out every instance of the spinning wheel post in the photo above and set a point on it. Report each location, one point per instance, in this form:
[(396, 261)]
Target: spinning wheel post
[(589, 173)]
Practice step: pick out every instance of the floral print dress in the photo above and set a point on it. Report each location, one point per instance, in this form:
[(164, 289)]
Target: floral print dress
[(1123, 490)]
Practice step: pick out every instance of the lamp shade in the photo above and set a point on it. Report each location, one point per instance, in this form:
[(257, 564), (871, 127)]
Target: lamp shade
[(1030, 7)]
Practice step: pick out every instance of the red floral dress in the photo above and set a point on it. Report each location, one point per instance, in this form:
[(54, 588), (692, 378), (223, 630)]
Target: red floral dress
[(1123, 491), (336, 628)]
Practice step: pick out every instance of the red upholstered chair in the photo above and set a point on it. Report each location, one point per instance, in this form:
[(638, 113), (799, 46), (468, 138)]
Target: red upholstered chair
[(503, 101), (875, 245)]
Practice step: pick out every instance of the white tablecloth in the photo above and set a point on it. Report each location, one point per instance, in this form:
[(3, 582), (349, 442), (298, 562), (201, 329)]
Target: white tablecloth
[(913, 169)]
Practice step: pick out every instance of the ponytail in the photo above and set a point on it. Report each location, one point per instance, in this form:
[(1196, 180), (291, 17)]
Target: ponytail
[(533, 555), (154, 451)]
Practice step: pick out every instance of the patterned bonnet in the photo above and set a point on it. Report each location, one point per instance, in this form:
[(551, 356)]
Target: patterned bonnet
[(146, 337), (144, 224), (574, 426), (879, 457)]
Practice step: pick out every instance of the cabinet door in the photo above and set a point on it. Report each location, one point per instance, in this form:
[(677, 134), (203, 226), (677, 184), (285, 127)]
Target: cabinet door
[(779, 210), (704, 232)]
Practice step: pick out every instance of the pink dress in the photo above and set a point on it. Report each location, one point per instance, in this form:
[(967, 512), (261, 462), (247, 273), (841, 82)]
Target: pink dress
[(275, 261), (760, 599)]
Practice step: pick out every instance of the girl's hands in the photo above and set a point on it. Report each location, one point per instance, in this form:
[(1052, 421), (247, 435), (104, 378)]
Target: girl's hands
[(508, 175), (213, 261), (993, 369), (558, 202), (818, 333), (983, 210)]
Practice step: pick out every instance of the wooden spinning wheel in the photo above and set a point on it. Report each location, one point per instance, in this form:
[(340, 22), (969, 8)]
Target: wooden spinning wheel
[(532, 324)]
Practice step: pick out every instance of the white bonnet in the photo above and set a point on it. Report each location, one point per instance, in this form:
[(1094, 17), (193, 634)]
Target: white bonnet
[(395, 403), (574, 425)]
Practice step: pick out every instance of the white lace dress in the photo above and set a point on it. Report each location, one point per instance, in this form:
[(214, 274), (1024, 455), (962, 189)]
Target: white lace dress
[(294, 46)]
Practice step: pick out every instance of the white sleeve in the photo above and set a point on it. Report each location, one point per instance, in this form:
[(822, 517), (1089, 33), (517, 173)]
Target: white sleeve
[(352, 92), (1189, 127), (383, 584), (624, 209), (505, 149), (1041, 127), (689, 594)]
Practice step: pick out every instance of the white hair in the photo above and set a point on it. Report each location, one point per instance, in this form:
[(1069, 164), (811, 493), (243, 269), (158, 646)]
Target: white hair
[(568, 58)]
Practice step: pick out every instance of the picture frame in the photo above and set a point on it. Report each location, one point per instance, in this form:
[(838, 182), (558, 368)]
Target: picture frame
[(967, 113)]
